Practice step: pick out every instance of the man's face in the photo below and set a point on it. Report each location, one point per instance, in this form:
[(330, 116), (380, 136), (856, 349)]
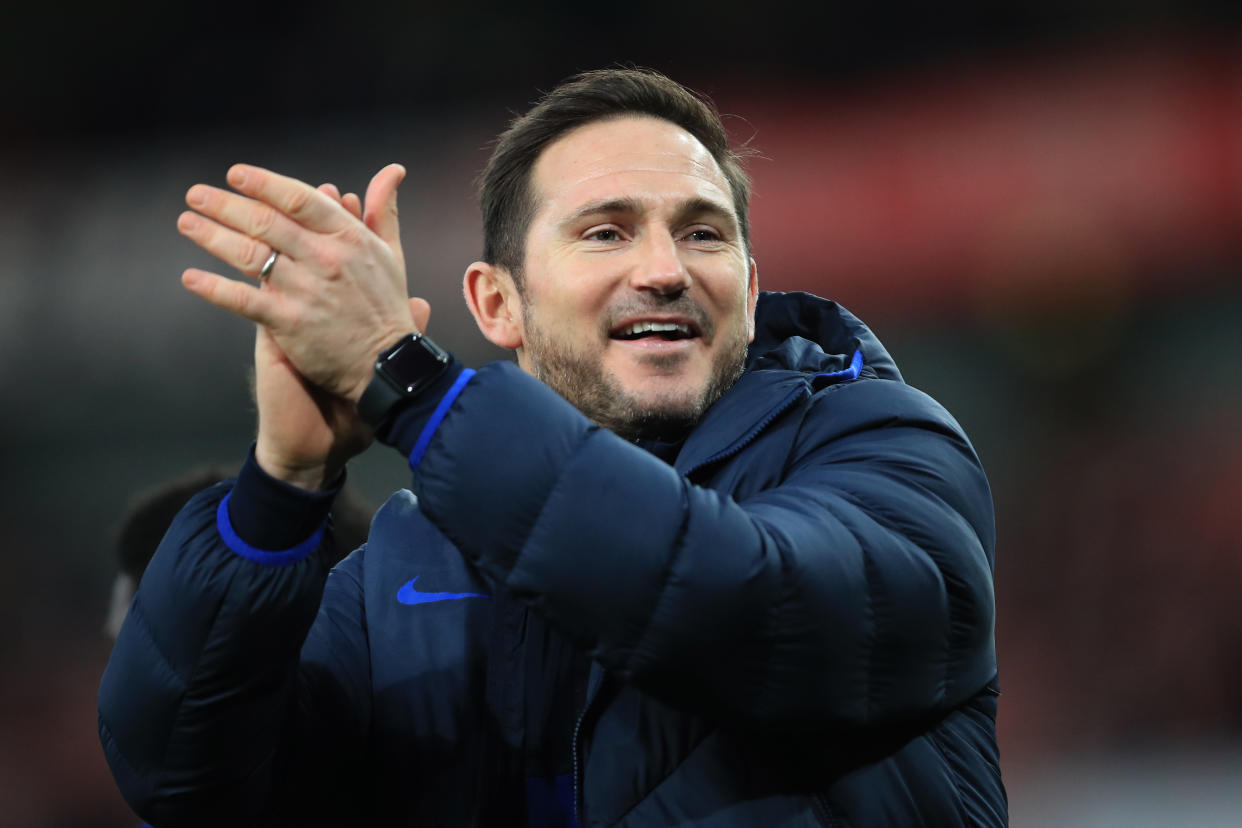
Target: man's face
[(638, 293)]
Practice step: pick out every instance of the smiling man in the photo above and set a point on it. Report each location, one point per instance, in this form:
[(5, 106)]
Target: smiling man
[(701, 558)]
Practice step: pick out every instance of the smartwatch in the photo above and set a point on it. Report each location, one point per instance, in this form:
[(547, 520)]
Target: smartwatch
[(402, 372)]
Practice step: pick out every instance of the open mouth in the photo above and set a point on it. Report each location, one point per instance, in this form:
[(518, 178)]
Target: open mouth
[(646, 330)]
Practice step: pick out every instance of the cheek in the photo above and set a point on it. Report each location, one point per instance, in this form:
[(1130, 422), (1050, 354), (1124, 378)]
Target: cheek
[(740, 308), (561, 315)]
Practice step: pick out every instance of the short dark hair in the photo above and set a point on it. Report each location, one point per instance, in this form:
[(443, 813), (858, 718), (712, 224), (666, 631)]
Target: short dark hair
[(507, 200)]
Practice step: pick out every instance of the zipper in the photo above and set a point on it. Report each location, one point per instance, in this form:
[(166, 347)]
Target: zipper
[(746, 439), (577, 785), (825, 813), (595, 681)]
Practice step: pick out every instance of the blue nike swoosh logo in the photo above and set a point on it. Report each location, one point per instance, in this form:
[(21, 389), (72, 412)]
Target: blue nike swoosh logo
[(409, 595)]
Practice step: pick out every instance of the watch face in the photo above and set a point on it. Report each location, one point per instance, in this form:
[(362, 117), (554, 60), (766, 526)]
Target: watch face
[(415, 362), (401, 372)]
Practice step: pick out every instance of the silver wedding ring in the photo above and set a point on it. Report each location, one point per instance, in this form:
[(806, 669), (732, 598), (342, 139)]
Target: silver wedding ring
[(266, 270)]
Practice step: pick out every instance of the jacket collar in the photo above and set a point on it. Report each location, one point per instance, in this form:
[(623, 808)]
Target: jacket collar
[(802, 332), (802, 343), (740, 416)]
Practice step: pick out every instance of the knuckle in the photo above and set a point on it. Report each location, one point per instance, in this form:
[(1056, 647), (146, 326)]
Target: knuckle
[(298, 200), (239, 299), (331, 259), (298, 317), (352, 235), (262, 220), (206, 233), (247, 301), (252, 254), (335, 254)]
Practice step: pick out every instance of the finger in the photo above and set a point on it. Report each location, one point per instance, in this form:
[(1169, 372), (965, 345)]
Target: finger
[(353, 204), (420, 310), (238, 250), (296, 199), (249, 218), (381, 204), (230, 294), (349, 201), (330, 191)]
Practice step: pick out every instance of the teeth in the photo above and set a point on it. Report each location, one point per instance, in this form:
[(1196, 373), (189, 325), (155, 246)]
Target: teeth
[(645, 327)]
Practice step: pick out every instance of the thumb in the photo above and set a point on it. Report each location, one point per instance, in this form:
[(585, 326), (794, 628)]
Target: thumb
[(420, 310), (380, 213)]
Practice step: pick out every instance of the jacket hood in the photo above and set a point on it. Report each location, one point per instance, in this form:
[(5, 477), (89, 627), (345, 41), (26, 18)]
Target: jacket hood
[(801, 332)]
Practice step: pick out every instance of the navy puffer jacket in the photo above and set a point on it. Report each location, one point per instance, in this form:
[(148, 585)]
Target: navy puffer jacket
[(792, 625)]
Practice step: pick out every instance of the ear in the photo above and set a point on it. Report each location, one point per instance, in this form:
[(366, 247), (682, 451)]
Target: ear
[(493, 301), (752, 299)]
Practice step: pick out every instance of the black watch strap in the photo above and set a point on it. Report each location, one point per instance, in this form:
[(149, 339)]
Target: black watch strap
[(401, 373)]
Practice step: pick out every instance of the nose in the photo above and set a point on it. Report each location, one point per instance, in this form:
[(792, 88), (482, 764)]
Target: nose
[(659, 267)]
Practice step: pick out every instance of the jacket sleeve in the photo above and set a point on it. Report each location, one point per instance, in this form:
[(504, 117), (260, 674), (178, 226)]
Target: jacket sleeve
[(217, 707), (855, 593)]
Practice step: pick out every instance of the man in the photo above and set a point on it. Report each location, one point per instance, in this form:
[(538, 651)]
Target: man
[(704, 559)]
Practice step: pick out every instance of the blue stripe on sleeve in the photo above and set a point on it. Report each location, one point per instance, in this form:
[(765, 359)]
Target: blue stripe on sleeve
[(282, 557), (437, 417)]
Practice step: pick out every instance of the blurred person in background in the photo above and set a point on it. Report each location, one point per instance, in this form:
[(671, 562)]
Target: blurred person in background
[(700, 557), (151, 511)]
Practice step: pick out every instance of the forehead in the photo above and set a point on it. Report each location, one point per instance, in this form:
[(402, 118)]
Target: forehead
[(636, 157)]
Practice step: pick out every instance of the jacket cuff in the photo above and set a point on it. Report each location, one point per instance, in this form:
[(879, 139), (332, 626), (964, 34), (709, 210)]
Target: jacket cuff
[(413, 425), (270, 521)]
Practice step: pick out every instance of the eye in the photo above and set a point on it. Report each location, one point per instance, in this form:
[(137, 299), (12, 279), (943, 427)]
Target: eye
[(703, 235), (606, 234)]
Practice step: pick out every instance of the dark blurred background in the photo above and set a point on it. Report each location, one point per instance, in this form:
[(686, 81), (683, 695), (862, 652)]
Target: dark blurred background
[(1038, 209)]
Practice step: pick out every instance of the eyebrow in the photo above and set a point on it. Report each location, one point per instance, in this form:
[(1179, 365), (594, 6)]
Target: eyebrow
[(633, 206)]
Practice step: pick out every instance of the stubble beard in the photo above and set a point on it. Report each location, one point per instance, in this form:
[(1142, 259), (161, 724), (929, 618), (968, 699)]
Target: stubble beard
[(578, 375)]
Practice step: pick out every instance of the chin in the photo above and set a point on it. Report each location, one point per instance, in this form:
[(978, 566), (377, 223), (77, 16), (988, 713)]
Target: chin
[(666, 392), (661, 415), (668, 400)]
